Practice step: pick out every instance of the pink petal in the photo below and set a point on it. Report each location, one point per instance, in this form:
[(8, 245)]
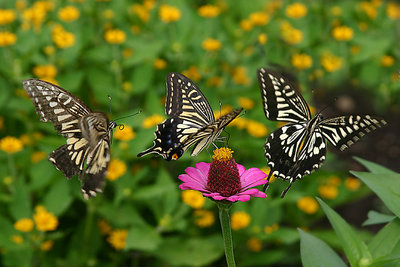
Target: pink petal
[(252, 177), (241, 169), (204, 168), (190, 182)]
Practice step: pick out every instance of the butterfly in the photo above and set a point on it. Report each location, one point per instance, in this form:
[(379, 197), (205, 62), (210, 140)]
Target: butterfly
[(191, 121), (88, 134), (299, 147)]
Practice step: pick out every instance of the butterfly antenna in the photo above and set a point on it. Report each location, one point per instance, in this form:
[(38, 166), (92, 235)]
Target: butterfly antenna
[(109, 103), (327, 106), (134, 114)]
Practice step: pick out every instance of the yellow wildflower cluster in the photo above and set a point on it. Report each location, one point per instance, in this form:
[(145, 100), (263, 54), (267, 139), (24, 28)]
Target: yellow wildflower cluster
[(11, 144), (152, 121), (246, 103), (254, 19), (115, 36), (222, 154), (44, 220), (290, 34), (215, 81), (45, 72), (117, 238), (393, 10), (193, 198), (331, 62), (169, 14), (296, 10), (328, 191), (104, 227), (37, 156), (307, 204), (17, 239), (125, 134), (7, 38), (160, 64), (116, 168), (24, 225), (262, 38), (256, 129), (352, 183), (254, 244), (369, 8), (68, 14), (387, 61), (239, 76), (211, 44), (342, 33), (192, 73), (240, 220), (271, 228), (61, 37), (7, 16), (208, 11), (34, 16), (46, 245), (301, 61), (204, 218), (143, 11)]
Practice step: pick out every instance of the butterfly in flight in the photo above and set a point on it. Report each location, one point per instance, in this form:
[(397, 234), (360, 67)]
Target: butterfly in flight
[(299, 147), (88, 134), (191, 121)]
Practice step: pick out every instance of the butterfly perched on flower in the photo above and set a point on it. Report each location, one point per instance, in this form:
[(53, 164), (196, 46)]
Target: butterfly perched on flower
[(88, 134), (191, 121), (299, 147)]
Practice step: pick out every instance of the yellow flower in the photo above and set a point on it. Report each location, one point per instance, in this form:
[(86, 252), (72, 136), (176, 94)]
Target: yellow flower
[(117, 239), (342, 33), (7, 16), (17, 239), (256, 129), (246, 102), (271, 228), (34, 15), (328, 191), (24, 225), (115, 36), (214, 81), (193, 198), (204, 218), (239, 75), (331, 62), (47, 245), (387, 61), (210, 44), (152, 121), (336, 11), (254, 244), (290, 34), (393, 10), (239, 220), (44, 220), (62, 38), (192, 73), (352, 183), (262, 38), (160, 64), (7, 38), (239, 122), (108, 14), (45, 71), (296, 11), (141, 11), (369, 8), (68, 13), (169, 13), (7, 180), (225, 109), (259, 18), (116, 168), (49, 50), (301, 61), (334, 181), (104, 227), (127, 86), (246, 25), (125, 134), (11, 144), (208, 11), (307, 204)]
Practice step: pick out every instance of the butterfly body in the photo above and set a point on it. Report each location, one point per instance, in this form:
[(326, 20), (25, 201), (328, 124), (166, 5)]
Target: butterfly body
[(88, 133), (191, 121), (299, 147)]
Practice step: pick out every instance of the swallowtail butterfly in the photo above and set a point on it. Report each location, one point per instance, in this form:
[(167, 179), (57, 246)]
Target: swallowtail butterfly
[(299, 147), (191, 121), (88, 134)]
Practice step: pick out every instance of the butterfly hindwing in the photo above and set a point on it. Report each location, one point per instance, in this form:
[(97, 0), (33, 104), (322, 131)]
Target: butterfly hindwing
[(87, 152)]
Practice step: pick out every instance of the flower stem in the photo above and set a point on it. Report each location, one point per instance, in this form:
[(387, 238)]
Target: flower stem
[(224, 218)]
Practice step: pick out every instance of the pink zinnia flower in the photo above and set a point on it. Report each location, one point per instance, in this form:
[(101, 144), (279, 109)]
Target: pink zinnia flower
[(223, 178)]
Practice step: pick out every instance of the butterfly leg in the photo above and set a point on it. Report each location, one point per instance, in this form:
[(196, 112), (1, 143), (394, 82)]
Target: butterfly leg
[(287, 189), (267, 184)]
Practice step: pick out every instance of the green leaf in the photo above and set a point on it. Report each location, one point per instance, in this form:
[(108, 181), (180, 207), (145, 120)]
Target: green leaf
[(41, 174), (20, 206), (121, 216), (59, 198), (386, 186), (315, 252), (101, 82), (355, 248), (377, 218), (386, 239), (71, 81), (143, 237), (373, 167), (200, 251), (142, 77)]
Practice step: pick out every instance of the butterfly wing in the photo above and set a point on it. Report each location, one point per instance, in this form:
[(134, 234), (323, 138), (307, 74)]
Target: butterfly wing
[(344, 131), (281, 100)]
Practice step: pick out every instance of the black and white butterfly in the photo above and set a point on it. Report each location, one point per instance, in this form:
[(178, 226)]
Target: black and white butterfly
[(88, 134), (192, 120), (299, 147)]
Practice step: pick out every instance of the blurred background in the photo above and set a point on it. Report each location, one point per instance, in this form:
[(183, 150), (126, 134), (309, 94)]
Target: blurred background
[(344, 50)]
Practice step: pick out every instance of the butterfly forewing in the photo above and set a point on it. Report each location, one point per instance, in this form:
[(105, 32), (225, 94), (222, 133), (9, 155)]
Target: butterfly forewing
[(88, 133), (344, 131), (282, 102)]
